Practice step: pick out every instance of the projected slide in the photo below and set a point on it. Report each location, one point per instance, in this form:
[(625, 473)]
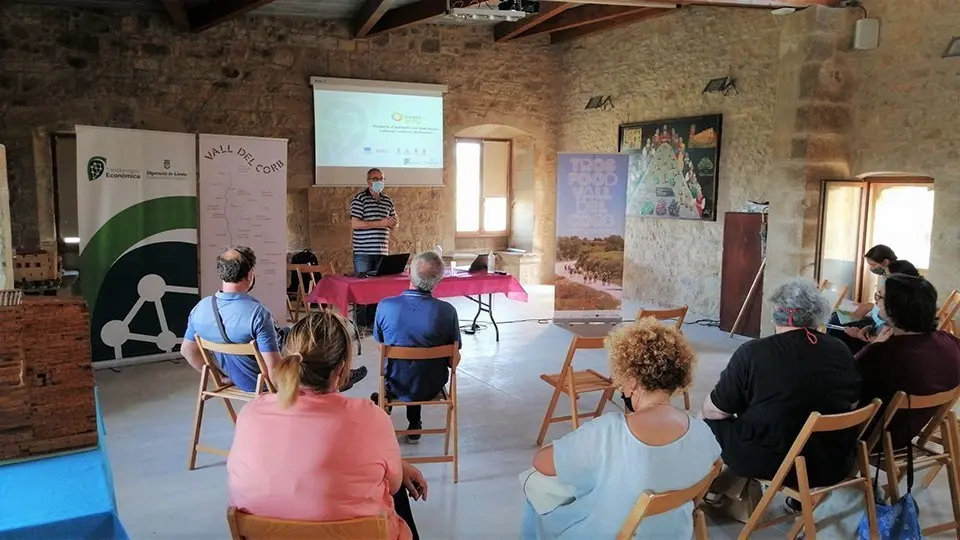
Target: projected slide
[(360, 129)]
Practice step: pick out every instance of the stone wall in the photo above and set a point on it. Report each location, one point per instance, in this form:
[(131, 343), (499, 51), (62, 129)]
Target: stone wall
[(251, 77), (656, 70), (907, 111)]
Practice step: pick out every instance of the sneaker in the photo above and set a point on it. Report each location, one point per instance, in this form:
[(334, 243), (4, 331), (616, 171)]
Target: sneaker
[(356, 375), (414, 438), (375, 397)]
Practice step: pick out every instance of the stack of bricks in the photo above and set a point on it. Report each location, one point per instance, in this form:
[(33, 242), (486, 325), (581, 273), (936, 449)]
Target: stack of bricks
[(47, 402)]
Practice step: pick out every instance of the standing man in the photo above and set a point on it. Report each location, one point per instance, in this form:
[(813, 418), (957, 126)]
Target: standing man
[(372, 216)]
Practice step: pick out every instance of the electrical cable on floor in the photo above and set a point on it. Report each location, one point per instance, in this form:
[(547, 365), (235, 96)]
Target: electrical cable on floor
[(708, 323)]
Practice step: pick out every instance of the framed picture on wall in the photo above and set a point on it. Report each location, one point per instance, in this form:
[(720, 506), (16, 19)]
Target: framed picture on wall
[(674, 167)]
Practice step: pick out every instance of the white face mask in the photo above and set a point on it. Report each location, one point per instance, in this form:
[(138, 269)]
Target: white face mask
[(377, 186)]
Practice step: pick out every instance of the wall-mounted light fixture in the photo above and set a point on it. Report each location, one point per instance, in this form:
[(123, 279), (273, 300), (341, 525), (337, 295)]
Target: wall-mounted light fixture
[(599, 102), (953, 50), (722, 85)]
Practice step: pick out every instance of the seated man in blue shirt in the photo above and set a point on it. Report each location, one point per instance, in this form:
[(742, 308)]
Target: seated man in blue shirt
[(244, 320), (417, 319)]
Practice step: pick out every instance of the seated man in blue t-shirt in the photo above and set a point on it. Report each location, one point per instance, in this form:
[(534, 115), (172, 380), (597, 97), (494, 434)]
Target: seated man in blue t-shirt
[(417, 319), (244, 320)]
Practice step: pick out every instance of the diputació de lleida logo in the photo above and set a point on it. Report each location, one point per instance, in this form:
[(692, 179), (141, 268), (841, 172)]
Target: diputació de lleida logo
[(96, 166)]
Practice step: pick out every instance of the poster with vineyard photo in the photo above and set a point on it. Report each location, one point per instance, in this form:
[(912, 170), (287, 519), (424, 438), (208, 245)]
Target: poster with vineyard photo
[(674, 165), (591, 194)]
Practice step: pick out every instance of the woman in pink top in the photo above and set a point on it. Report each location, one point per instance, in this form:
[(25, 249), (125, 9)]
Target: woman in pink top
[(309, 453)]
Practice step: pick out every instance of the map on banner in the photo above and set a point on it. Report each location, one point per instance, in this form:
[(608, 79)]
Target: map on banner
[(243, 198)]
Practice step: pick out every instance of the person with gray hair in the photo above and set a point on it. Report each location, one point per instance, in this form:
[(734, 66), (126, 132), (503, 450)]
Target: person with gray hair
[(417, 319), (772, 384)]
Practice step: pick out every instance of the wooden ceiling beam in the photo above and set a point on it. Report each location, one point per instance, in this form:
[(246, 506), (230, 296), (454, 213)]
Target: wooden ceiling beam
[(178, 14), (507, 30), (582, 16), (213, 13), (411, 14), (607, 24), (370, 14)]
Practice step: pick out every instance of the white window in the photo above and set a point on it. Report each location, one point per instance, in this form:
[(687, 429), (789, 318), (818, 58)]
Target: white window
[(483, 187)]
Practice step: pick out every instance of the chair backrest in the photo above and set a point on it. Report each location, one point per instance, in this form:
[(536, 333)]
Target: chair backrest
[(419, 353), (821, 423), (943, 403), (835, 297), (677, 314), (239, 349), (11, 297), (948, 312), (650, 504), (245, 526)]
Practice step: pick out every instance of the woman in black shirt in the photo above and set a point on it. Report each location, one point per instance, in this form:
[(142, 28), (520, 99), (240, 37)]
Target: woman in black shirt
[(772, 384)]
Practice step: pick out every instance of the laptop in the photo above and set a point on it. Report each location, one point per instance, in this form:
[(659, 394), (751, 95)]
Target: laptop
[(479, 264), (392, 265)]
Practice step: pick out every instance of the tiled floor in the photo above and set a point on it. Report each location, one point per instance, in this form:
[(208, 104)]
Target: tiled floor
[(148, 411)]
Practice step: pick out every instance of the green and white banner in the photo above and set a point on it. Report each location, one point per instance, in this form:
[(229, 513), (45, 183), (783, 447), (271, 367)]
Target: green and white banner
[(137, 199)]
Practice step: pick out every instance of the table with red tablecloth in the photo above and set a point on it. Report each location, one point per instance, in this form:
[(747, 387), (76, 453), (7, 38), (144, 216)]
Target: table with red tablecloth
[(342, 291)]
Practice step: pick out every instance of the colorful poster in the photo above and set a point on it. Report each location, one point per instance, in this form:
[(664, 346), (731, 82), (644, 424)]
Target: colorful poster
[(136, 192), (591, 216), (243, 197)]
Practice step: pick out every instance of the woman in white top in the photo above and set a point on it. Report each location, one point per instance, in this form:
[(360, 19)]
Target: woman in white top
[(606, 464)]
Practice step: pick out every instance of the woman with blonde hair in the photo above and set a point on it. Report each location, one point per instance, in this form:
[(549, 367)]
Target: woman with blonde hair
[(310, 453), (584, 484)]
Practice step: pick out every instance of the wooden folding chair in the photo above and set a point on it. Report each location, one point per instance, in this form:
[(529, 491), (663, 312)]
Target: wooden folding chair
[(223, 388), (947, 315), (245, 526), (834, 296), (573, 383), (11, 297), (297, 304), (678, 314), (650, 504), (809, 497), (445, 399), (925, 455)]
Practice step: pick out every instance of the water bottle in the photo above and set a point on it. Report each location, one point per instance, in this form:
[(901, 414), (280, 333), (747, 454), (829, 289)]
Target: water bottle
[(438, 249), (491, 262)]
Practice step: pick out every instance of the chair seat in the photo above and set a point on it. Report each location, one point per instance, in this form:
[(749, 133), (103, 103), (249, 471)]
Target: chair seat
[(583, 381), (231, 392)]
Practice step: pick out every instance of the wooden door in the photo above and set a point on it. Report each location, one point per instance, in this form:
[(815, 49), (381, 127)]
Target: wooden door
[(741, 260)]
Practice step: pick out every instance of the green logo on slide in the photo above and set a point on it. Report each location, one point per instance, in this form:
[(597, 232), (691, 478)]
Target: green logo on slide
[(96, 166)]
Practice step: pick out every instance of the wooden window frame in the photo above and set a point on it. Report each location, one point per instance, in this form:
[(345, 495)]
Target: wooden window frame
[(483, 233), (867, 203)]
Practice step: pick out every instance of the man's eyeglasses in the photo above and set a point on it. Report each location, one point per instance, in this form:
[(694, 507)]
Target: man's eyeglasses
[(375, 178)]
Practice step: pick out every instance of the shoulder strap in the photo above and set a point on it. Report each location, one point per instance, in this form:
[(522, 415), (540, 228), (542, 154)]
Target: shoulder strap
[(216, 315)]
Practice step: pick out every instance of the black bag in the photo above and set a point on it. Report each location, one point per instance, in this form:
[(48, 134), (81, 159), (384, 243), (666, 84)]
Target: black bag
[(302, 257)]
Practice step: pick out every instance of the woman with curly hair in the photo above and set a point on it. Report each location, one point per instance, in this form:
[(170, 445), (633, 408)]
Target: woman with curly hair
[(584, 484), (308, 452)]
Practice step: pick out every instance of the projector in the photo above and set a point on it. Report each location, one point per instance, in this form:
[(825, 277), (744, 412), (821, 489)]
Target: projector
[(510, 11)]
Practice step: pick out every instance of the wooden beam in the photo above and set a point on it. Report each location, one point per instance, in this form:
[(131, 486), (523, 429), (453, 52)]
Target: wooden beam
[(211, 14), (722, 3), (369, 15), (417, 12), (582, 16), (601, 26), (507, 30), (178, 14)]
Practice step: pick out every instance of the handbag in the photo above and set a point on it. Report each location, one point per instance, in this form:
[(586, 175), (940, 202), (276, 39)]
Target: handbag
[(899, 520)]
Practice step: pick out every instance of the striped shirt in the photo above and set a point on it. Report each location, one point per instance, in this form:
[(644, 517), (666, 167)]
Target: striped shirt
[(366, 207)]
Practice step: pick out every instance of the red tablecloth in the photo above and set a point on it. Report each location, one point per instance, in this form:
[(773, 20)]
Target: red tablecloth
[(341, 291)]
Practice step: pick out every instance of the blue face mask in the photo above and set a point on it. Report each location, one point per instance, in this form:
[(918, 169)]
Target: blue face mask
[(878, 270), (377, 186)]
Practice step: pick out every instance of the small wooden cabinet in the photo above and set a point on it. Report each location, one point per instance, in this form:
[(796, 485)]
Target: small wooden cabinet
[(741, 259)]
